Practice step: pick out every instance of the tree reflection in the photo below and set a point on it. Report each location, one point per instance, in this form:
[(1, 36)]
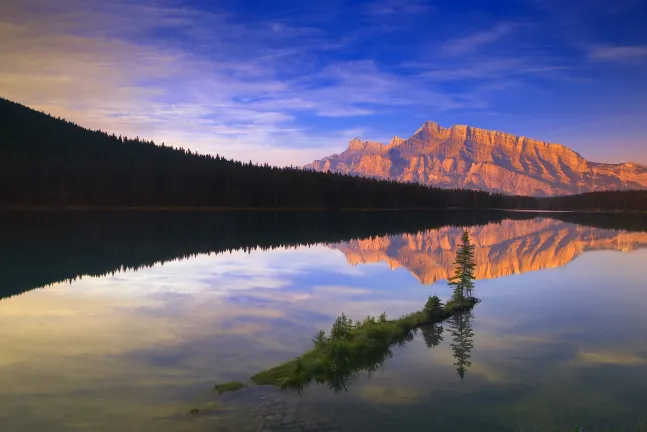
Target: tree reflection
[(460, 327), (432, 335)]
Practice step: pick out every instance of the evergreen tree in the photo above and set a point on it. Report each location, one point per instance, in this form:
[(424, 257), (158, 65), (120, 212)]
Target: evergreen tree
[(433, 307), (462, 280)]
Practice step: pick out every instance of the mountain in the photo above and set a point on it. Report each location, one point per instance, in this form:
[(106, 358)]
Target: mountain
[(48, 162), (468, 157), (501, 249)]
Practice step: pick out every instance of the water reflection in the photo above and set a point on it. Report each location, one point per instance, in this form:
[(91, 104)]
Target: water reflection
[(432, 335), (462, 333), (142, 347), (42, 248), (502, 249)]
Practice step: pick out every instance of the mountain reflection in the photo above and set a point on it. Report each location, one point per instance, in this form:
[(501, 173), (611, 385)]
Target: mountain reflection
[(502, 249), (39, 249), (43, 248)]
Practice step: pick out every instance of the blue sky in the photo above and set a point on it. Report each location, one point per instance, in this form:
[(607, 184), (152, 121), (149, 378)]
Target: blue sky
[(286, 82)]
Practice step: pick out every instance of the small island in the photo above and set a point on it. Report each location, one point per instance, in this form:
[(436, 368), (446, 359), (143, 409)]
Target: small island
[(351, 347)]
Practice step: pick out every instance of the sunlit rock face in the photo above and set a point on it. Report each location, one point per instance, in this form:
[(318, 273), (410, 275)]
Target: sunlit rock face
[(510, 247), (467, 157)]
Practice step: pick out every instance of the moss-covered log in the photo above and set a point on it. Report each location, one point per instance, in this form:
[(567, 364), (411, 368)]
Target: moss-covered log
[(351, 347)]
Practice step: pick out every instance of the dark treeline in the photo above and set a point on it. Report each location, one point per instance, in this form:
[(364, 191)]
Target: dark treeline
[(41, 248), (49, 162), (615, 221), (629, 200)]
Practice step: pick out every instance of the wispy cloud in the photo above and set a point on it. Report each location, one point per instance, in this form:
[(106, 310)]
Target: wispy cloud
[(468, 44), (220, 86), (480, 68), (281, 86), (398, 7), (619, 53)]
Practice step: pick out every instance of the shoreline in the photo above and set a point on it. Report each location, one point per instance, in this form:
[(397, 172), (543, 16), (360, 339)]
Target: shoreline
[(208, 209), (214, 209)]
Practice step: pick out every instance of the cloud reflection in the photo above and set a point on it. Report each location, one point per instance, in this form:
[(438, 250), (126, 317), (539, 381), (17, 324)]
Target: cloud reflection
[(153, 336)]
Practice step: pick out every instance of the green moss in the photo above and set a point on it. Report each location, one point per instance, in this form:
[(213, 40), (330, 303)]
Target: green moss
[(351, 347), (230, 386), (276, 375)]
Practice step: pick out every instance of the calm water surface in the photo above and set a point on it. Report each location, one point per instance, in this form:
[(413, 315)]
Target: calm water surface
[(559, 338)]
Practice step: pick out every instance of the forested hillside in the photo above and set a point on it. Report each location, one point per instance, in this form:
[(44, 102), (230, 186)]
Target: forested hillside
[(46, 161), (50, 162)]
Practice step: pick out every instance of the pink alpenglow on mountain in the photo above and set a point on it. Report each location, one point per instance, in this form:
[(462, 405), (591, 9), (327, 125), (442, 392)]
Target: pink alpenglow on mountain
[(468, 157)]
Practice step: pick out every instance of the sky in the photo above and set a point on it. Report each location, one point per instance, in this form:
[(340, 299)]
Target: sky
[(287, 82)]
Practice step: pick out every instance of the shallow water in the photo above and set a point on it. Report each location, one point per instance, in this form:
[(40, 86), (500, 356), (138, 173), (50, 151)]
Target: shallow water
[(559, 337)]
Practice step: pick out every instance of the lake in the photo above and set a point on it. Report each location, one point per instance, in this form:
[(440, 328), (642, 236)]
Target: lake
[(126, 321)]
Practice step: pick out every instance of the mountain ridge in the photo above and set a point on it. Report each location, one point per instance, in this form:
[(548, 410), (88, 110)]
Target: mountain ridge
[(463, 156)]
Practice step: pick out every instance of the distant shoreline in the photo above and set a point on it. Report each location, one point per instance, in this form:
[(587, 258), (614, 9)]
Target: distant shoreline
[(206, 209), (575, 211), (21, 208)]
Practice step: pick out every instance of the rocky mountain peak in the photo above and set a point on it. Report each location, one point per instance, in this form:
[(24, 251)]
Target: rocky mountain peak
[(396, 141), (467, 157), (357, 144), (429, 128)]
